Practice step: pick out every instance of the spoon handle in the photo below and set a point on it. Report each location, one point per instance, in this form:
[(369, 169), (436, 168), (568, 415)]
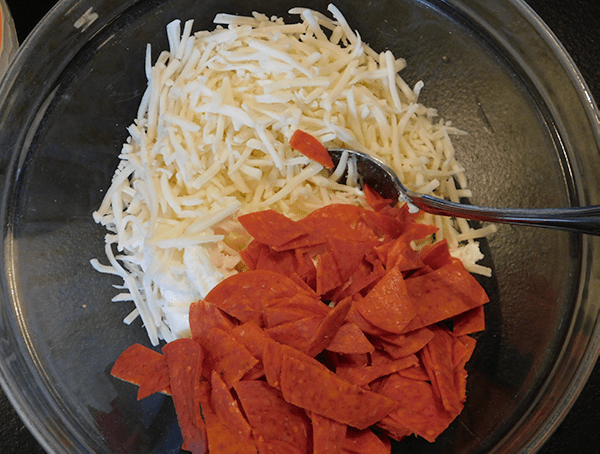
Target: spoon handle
[(573, 219)]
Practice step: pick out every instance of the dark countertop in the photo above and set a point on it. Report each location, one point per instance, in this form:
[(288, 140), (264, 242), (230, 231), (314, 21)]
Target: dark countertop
[(575, 23)]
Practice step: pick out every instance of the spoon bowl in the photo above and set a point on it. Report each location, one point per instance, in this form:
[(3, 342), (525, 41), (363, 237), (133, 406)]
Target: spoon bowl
[(381, 178)]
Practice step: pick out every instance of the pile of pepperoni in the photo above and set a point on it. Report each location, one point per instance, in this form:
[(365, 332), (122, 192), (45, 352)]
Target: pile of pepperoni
[(338, 338)]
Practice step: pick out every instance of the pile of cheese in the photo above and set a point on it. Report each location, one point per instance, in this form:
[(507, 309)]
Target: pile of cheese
[(210, 142)]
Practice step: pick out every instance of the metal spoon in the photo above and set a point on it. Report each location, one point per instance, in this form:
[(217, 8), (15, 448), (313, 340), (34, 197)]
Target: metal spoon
[(383, 179)]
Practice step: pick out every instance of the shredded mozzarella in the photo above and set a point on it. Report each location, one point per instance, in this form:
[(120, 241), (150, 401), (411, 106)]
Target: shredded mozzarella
[(210, 142)]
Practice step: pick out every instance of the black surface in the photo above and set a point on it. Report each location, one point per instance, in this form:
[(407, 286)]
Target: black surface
[(576, 24)]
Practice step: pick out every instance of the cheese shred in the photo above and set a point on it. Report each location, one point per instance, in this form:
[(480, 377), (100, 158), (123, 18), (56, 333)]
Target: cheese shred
[(210, 142)]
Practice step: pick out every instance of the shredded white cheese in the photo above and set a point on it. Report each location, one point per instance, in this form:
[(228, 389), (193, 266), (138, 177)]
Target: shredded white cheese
[(210, 142)]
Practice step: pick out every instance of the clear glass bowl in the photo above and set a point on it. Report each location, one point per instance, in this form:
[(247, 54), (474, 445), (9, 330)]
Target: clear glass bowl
[(493, 68)]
